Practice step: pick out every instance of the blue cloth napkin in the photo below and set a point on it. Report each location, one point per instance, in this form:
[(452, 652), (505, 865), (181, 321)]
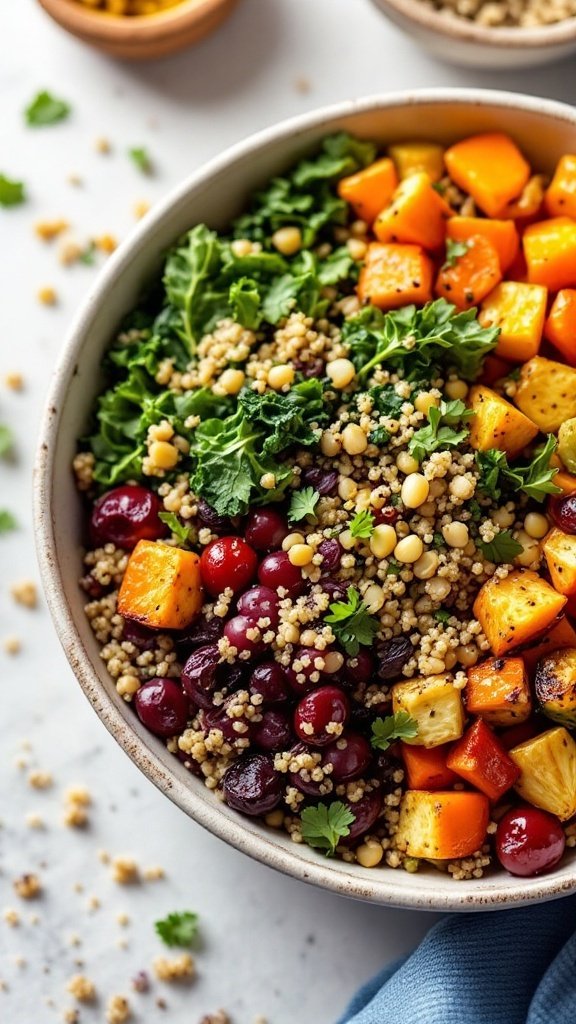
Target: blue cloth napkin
[(508, 967)]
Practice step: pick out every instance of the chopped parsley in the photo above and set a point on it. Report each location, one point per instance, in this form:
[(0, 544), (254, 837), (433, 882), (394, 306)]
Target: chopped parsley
[(443, 616), (303, 505), (178, 929), (7, 521), (502, 548), (438, 541), (88, 255), (178, 528), (394, 567), (324, 825), (536, 479), (399, 726), (440, 432), (6, 440), (12, 193), (454, 250), (46, 109), (351, 622), (141, 159), (362, 525)]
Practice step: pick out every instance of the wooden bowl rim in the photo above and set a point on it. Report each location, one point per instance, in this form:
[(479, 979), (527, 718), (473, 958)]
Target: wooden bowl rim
[(107, 27)]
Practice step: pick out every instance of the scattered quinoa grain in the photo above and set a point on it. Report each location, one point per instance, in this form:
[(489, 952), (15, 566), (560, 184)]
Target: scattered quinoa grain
[(25, 593), (28, 886), (118, 1010), (176, 968)]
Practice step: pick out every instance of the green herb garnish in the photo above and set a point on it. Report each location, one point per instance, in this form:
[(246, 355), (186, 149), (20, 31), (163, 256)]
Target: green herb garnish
[(178, 929), (362, 525), (46, 109), (352, 624), (303, 505), (324, 825), (536, 479), (443, 616), (12, 193), (7, 521), (440, 432), (503, 547), (454, 250), (141, 159), (399, 726), (88, 255), (6, 440), (177, 527)]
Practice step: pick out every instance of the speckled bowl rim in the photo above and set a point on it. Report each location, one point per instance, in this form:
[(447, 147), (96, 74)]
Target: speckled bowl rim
[(246, 834)]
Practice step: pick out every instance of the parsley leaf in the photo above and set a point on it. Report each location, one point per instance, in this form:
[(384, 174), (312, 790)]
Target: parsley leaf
[(245, 300), (399, 726), (386, 400), (88, 255), (503, 548), (443, 616), (6, 440), (7, 521), (351, 622), (394, 567), (12, 193), (178, 528), (438, 540), (303, 505), (141, 159), (178, 929), (324, 825), (46, 109), (454, 250), (362, 525), (536, 479), (440, 433)]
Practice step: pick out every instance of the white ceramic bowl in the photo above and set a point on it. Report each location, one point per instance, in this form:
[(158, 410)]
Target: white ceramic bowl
[(214, 194), (459, 41)]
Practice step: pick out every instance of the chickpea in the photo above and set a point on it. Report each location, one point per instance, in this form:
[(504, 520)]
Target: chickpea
[(281, 376), (301, 554), (163, 454), (347, 488), (341, 372), (287, 241), (354, 439), (231, 381), (530, 549), (438, 588), (456, 534), (291, 540), (369, 854), (383, 540), (424, 401), (426, 565), (467, 655), (415, 490), (330, 445), (409, 549), (407, 463), (456, 389), (241, 246), (536, 525), (461, 487), (333, 662), (357, 248), (503, 518), (374, 598)]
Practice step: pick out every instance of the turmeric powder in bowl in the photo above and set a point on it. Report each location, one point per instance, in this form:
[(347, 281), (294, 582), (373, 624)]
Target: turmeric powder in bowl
[(130, 7)]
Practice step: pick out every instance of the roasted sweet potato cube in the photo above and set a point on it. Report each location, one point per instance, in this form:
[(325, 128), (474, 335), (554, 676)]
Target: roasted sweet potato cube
[(410, 157), (501, 233), (490, 167), (560, 196), (481, 760), (547, 766), (395, 275), (370, 190), (560, 327), (426, 768), (497, 424), (442, 826), (513, 610), (546, 393), (161, 587), (530, 201), (519, 310), (560, 553), (416, 214), (498, 690), (550, 252), (562, 634), (468, 278)]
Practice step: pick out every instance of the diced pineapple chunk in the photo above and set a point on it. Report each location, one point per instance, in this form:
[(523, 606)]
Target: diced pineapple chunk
[(497, 424), (560, 553), (435, 704), (546, 393), (548, 772), (442, 826), (556, 686), (513, 610)]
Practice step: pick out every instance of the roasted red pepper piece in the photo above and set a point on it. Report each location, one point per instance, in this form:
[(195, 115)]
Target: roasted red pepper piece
[(480, 758), (426, 767)]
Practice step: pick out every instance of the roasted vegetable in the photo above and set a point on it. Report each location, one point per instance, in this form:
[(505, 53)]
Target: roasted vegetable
[(395, 276), (370, 190), (547, 766), (556, 686), (501, 233), (560, 553), (550, 252), (417, 214), (435, 704), (560, 196), (469, 275), (161, 587), (560, 327), (546, 393), (498, 690), (494, 369), (567, 444), (490, 168), (410, 157), (515, 609), (497, 424), (426, 768), (564, 480), (442, 826), (529, 203), (519, 310), (562, 634), (481, 760)]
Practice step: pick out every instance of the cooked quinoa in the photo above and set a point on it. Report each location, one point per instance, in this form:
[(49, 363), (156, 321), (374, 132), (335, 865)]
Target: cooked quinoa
[(508, 13)]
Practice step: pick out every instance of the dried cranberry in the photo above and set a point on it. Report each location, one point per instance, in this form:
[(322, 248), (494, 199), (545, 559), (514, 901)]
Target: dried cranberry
[(209, 517), (162, 707), (316, 711), (199, 675), (276, 570), (387, 515), (360, 668), (266, 529), (227, 562), (126, 515), (312, 368), (529, 841), (252, 786), (306, 670), (274, 732), (392, 655), (270, 682), (301, 779), (142, 638), (336, 589), (218, 718), (325, 481), (199, 633), (366, 812), (349, 756), (331, 552), (91, 586), (386, 766), (189, 763)]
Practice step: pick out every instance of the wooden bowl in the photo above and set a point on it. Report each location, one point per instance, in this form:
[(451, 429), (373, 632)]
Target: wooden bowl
[(142, 37), (458, 41)]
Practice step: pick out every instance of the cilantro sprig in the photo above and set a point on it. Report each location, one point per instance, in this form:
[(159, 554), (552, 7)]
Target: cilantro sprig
[(399, 726), (141, 159), (454, 250), (535, 479), (324, 825), (303, 505), (46, 109), (178, 528), (178, 928), (440, 432), (352, 624), (502, 548), (7, 521), (12, 193), (362, 525)]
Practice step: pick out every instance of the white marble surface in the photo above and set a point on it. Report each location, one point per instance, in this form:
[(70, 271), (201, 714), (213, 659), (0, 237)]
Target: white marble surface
[(271, 946)]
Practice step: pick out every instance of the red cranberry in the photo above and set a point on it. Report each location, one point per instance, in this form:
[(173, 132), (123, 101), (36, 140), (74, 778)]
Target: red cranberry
[(269, 681), (266, 529), (259, 603), (388, 515), (208, 516), (199, 633), (237, 632), (307, 669), (360, 668), (189, 763), (142, 638), (274, 732), (366, 811), (227, 562), (317, 710), (252, 786), (529, 841), (91, 586), (301, 779), (392, 656), (349, 756), (199, 676), (276, 570), (563, 512), (331, 552), (325, 481), (218, 718), (162, 707), (126, 515)]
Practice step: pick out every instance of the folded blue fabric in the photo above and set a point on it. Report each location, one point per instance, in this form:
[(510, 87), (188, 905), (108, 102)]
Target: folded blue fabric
[(508, 967)]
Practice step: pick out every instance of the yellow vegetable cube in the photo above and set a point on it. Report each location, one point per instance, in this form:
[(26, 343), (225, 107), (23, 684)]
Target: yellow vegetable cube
[(442, 826), (546, 393), (435, 704), (513, 610), (410, 157), (560, 553), (519, 310), (497, 424), (161, 587), (548, 772)]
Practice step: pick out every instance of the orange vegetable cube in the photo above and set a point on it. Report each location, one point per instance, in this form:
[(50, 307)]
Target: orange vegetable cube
[(494, 369), (546, 393), (411, 157), (395, 275), (416, 214), (370, 190), (560, 554), (560, 327), (529, 203), (561, 635), (161, 587), (498, 690), (502, 234), (550, 251), (471, 276), (513, 610), (425, 767), (490, 168), (497, 424), (560, 196), (519, 310), (442, 826), (481, 760)]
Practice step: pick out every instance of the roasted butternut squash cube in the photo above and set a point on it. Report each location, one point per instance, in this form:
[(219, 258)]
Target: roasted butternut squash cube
[(560, 553), (467, 279), (435, 704), (550, 252), (490, 167), (560, 327), (519, 310), (555, 686), (442, 826), (161, 587), (501, 233), (560, 196), (370, 190), (497, 424), (498, 690), (395, 275), (513, 610), (546, 393), (416, 214), (547, 766), (562, 634), (411, 157), (530, 201), (426, 768)]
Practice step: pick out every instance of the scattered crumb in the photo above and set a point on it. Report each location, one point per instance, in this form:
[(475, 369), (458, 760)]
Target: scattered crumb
[(20, 961), (77, 799), (79, 795), (75, 180), (69, 252), (122, 943), (12, 644), (14, 381), (141, 982), (82, 988), (161, 1003), (103, 856), (48, 230), (102, 145), (123, 919), (3, 985), (26, 745), (125, 871), (25, 593), (94, 903), (34, 821), (75, 939), (106, 243), (302, 84), (40, 780), (220, 1017), (141, 208), (11, 916), (47, 295), (71, 1016), (78, 887), (28, 887), (153, 874), (175, 969), (21, 763), (118, 1010), (34, 919)]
